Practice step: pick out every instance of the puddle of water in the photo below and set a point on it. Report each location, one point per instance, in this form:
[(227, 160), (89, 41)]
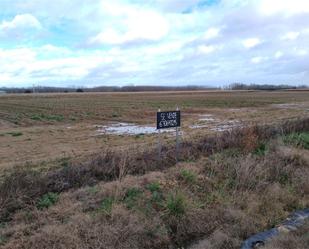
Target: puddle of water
[(129, 129), (198, 126), (206, 118), (289, 105), (227, 126), (218, 125)]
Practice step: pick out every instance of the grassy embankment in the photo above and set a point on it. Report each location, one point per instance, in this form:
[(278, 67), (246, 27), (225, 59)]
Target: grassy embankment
[(225, 188)]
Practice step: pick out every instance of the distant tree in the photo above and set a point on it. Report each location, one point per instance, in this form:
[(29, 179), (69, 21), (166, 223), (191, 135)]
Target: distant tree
[(27, 91), (79, 90)]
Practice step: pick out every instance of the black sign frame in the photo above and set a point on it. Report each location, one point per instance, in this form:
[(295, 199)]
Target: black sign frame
[(169, 119)]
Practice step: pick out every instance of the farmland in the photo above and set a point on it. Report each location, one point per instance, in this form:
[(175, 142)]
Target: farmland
[(45, 128), (67, 164)]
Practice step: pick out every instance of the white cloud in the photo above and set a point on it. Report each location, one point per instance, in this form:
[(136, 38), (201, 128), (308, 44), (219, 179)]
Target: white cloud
[(290, 36), (211, 33), (258, 59), (24, 21), (278, 54), (286, 7), (300, 51), (204, 49), (251, 42), (131, 23), (157, 41)]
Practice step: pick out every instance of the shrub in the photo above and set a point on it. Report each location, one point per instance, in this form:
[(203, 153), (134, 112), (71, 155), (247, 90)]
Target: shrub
[(176, 204), (47, 200)]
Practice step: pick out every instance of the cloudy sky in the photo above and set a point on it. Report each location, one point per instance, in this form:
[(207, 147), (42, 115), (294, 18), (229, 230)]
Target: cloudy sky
[(153, 42)]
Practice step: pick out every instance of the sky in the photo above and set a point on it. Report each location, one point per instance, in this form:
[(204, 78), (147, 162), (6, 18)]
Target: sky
[(153, 42)]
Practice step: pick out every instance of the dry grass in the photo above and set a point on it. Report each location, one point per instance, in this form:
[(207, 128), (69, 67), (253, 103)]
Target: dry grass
[(22, 187), (220, 194), (298, 239)]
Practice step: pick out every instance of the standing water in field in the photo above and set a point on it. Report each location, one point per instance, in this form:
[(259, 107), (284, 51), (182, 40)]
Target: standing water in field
[(129, 129), (214, 123)]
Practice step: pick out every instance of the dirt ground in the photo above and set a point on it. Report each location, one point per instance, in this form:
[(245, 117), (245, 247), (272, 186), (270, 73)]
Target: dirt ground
[(44, 129)]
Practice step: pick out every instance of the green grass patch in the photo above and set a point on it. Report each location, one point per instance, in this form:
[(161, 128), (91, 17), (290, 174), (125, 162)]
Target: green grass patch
[(47, 117), (176, 204), (156, 194), (153, 187), (261, 150), (15, 134), (188, 176), (107, 205), (93, 190), (48, 200), (300, 140), (3, 239), (131, 197)]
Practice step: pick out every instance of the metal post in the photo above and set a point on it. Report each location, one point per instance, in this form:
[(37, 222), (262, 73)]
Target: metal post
[(177, 141), (159, 141)]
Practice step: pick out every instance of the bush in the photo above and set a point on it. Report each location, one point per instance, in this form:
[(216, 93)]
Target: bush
[(48, 200)]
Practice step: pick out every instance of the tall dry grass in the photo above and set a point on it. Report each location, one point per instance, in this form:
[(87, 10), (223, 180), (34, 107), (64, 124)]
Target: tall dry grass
[(24, 187), (233, 195)]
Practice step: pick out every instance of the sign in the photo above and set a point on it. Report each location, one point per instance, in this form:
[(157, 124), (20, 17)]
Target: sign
[(168, 119)]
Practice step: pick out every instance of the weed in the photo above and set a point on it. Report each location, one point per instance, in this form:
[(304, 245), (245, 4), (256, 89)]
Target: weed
[(156, 193), (3, 239), (176, 204), (93, 189), (107, 205), (115, 115), (284, 178), (36, 117), (188, 176), (261, 150), (132, 196), (64, 162), (48, 200), (139, 136), (153, 187), (48, 117), (15, 134), (300, 140)]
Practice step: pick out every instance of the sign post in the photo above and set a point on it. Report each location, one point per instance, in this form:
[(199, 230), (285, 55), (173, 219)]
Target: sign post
[(159, 141), (177, 140), (166, 120)]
